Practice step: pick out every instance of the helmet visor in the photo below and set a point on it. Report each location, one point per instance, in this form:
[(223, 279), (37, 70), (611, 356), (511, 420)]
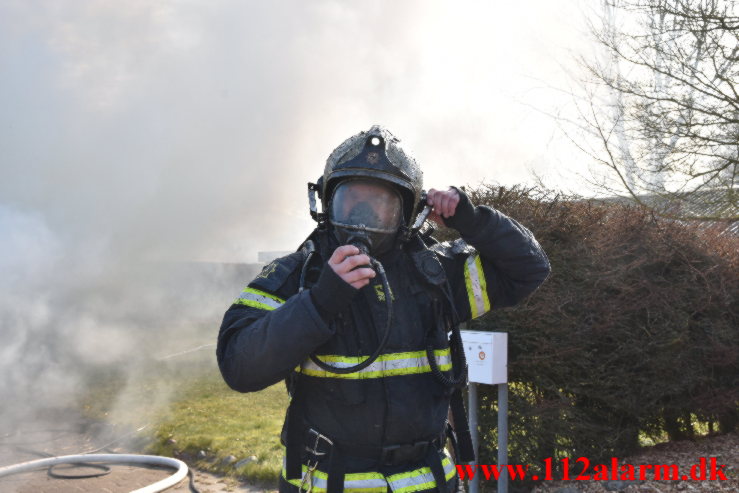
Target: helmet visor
[(366, 204)]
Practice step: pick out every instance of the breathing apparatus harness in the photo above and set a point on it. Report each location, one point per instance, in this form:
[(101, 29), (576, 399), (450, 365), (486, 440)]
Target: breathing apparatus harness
[(432, 271), (428, 265)]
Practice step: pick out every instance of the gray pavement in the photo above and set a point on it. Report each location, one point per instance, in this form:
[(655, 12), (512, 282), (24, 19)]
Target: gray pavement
[(121, 479), (72, 434)]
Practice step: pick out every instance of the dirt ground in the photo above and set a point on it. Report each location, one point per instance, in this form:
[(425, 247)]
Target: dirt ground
[(684, 454)]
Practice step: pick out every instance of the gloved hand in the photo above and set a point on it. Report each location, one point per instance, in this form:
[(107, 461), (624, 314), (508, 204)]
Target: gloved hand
[(340, 280), (452, 208)]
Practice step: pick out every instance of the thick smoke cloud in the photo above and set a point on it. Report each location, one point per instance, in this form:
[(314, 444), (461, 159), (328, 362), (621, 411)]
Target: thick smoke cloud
[(136, 136)]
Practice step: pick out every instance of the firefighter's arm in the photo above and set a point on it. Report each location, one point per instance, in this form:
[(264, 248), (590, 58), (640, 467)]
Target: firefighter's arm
[(271, 328), (496, 264), (264, 339)]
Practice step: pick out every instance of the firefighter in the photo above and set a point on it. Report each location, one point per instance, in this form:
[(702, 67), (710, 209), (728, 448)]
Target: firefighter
[(362, 323)]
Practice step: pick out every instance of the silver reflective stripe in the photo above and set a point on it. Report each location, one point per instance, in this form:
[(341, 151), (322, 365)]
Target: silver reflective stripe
[(386, 365), (258, 299), (364, 484), (419, 479)]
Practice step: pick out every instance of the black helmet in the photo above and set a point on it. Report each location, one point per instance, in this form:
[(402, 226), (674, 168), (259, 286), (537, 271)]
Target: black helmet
[(375, 154)]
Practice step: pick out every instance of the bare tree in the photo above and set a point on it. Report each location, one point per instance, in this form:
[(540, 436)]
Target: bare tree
[(666, 120)]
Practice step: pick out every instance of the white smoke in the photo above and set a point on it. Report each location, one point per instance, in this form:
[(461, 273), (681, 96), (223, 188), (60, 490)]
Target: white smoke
[(138, 136), (29, 254)]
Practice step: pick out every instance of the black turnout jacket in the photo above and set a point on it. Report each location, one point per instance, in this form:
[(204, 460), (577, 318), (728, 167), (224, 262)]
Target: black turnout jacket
[(269, 332)]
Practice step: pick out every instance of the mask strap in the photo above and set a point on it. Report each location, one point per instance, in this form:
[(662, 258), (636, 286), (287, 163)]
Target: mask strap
[(319, 217)]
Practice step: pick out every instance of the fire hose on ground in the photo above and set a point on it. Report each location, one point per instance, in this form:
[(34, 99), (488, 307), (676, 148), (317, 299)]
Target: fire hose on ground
[(154, 460), (94, 460)]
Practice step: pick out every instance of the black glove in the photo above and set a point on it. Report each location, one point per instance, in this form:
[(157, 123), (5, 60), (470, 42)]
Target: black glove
[(331, 293), (465, 215)]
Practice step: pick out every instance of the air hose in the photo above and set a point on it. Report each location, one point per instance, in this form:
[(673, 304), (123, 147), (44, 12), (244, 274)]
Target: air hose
[(455, 345), (153, 460), (361, 244), (377, 266), (458, 361)]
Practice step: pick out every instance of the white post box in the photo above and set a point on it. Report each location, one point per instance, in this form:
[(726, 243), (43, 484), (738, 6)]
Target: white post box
[(487, 356)]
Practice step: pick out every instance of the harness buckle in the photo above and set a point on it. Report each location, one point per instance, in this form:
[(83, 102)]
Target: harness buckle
[(317, 442), (308, 477)]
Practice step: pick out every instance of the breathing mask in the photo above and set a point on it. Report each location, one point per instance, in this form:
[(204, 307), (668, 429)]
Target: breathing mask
[(366, 213)]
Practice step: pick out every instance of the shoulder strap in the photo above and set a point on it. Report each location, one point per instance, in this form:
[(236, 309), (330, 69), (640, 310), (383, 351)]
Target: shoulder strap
[(295, 428), (427, 263), (313, 249), (462, 428)]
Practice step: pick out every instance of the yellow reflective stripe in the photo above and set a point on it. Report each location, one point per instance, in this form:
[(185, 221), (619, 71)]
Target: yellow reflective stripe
[(258, 299), (449, 468), (483, 284), (386, 365), (362, 482), (353, 360), (374, 374), (477, 294), (375, 482)]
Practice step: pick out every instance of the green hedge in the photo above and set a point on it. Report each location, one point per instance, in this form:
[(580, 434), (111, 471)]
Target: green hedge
[(633, 335)]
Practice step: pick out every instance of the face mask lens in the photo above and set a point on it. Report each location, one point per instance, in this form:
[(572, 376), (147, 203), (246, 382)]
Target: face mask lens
[(372, 205)]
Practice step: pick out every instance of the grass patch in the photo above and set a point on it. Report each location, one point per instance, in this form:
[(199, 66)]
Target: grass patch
[(189, 409), (213, 418)]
